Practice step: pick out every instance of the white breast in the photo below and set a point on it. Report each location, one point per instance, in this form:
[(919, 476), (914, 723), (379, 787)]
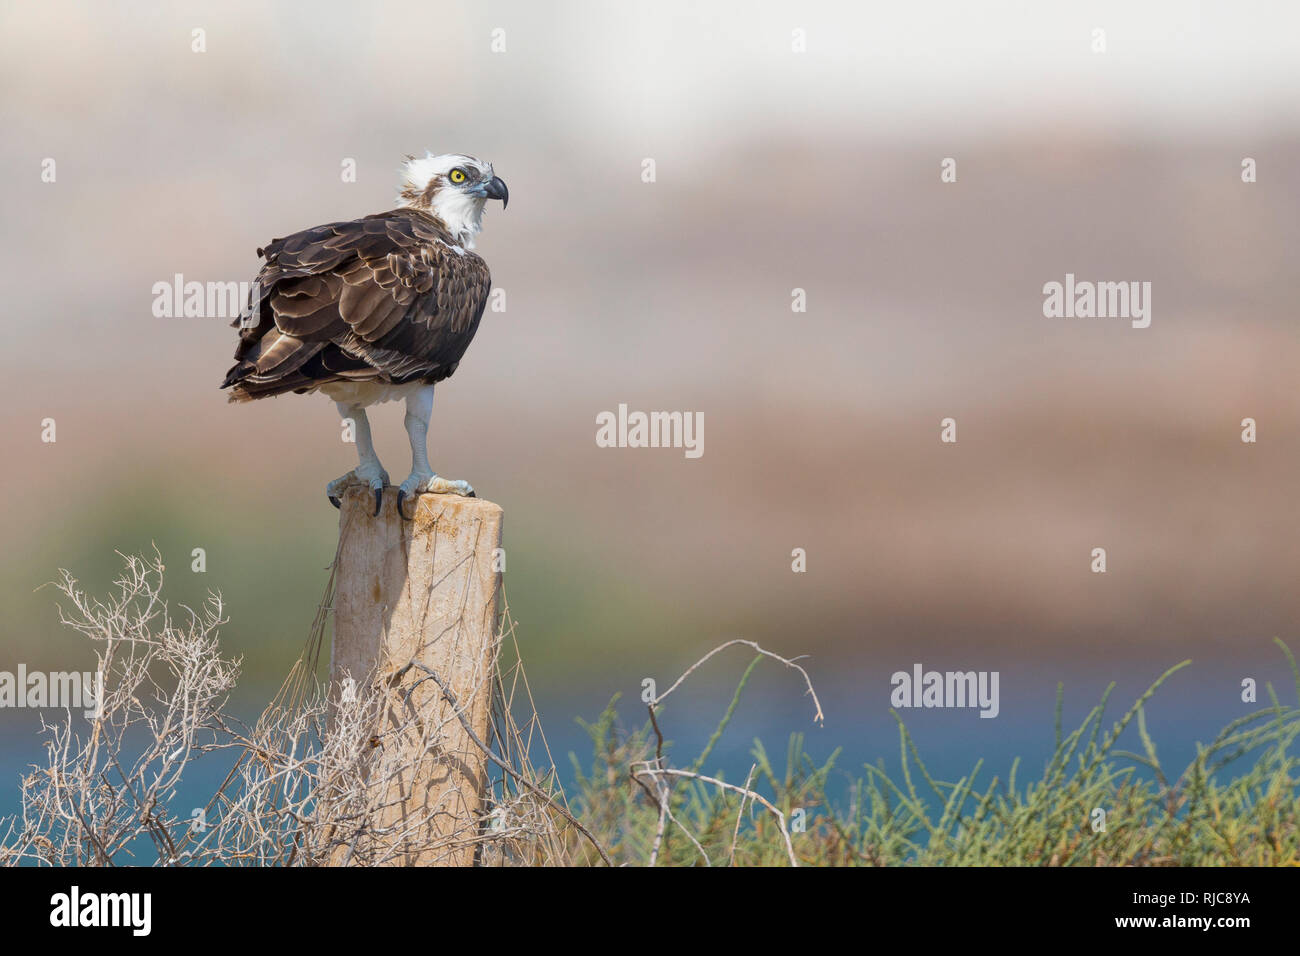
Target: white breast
[(368, 393)]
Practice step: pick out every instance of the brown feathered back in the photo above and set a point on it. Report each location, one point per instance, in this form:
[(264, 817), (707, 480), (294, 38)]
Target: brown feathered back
[(389, 298)]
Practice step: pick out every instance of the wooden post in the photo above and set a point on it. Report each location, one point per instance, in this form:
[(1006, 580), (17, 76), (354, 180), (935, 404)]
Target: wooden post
[(422, 591)]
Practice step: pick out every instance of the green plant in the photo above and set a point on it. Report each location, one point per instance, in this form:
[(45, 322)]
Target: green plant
[(643, 810)]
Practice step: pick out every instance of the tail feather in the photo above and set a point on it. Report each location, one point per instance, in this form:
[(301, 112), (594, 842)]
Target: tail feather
[(245, 389), (237, 373)]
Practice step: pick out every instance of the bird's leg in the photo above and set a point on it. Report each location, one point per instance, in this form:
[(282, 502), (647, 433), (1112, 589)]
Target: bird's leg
[(419, 409), (369, 471)]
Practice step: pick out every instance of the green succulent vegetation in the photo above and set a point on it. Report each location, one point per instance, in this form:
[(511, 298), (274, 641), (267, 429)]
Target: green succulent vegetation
[(1236, 804)]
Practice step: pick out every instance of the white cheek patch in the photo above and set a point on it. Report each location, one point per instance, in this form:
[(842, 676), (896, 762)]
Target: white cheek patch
[(462, 213)]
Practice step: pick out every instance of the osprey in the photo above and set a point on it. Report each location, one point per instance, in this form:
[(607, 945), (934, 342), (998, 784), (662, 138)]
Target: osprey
[(374, 310)]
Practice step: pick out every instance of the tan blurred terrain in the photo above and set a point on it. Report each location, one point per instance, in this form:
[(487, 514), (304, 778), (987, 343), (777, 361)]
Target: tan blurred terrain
[(822, 428)]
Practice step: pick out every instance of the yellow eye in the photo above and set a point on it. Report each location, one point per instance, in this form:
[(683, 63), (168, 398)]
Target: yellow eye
[(458, 176)]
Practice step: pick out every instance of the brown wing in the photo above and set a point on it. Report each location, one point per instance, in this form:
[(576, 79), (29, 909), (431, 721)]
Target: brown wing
[(385, 298)]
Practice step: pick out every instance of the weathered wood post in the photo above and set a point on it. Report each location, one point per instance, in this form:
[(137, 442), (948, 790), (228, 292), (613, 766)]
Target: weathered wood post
[(415, 598)]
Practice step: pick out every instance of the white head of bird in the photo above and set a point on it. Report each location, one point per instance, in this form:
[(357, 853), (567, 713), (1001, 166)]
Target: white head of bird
[(455, 189)]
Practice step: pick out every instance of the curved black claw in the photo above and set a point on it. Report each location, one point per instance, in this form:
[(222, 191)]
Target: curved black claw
[(379, 501), (471, 494), (401, 494), (335, 502)]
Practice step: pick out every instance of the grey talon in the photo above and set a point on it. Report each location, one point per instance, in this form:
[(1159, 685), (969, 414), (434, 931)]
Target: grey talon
[(400, 513), (379, 501), (335, 502)]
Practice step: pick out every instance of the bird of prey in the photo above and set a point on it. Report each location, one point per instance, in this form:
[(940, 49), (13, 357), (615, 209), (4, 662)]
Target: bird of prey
[(374, 310)]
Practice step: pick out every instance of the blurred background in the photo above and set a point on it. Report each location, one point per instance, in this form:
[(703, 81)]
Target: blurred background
[(775, 170)]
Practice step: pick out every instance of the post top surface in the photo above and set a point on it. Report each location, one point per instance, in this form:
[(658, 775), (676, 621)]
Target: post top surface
[(361, 500)]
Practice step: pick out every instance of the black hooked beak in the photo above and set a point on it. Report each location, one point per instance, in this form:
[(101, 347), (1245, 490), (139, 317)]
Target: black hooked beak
[(496, 189)]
